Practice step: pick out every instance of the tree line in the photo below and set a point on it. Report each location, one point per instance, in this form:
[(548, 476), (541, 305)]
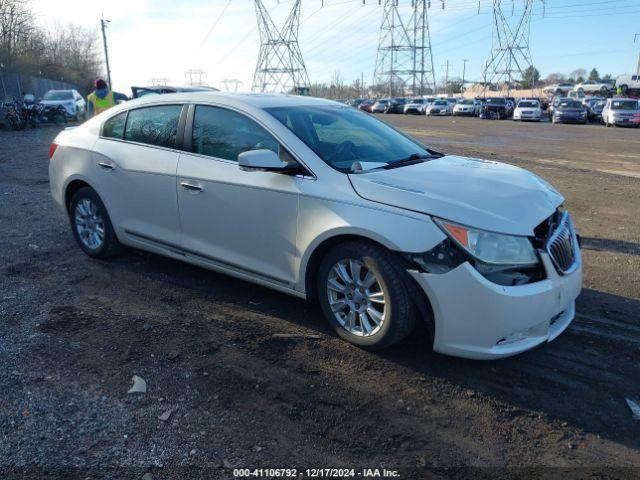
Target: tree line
[(65, 52)]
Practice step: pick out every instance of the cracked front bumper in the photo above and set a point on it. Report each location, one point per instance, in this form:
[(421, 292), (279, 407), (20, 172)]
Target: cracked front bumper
[(478, 319)]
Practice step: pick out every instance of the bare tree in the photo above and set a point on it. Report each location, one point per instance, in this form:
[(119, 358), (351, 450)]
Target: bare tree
[(66, 52)]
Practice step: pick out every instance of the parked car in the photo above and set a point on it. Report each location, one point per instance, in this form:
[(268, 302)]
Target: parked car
[(380, 106), (527, 110), (71, 100), (556, 101), (438, 107), (495, 107), (558, 89), (396, 105), (390, 232), (628, 84), (569, 111), (466, 107), (138, 92), (621, 112), (589, 88), (415, 106), (594, 106), (366, 105)]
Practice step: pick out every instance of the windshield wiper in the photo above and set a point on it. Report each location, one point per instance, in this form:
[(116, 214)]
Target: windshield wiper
[(411, 160)]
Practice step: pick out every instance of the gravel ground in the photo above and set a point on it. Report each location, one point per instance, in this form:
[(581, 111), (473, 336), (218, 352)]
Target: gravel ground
[(73, 332)]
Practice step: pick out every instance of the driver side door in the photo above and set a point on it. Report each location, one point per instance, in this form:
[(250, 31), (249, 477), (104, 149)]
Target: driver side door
[(241, 221)]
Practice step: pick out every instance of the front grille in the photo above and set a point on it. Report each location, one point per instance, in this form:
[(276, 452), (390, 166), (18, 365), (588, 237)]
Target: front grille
[(561, 245)]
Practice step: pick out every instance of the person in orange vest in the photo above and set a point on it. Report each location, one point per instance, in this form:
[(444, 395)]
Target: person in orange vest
[(102, 98)]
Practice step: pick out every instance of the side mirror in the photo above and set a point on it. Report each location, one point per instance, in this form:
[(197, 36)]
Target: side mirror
[(261, 161)]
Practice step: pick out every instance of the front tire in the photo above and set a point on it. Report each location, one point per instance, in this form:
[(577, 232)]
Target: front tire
[(363, 296), (91, 225)]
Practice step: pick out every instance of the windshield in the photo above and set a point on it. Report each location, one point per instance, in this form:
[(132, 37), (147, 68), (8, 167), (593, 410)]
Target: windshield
[(528, 104), (58, 95), (342, 136), (496, 101), (624, 105), (417, 100), (382, 102), (573, 104), (440, 102), (466, 102)]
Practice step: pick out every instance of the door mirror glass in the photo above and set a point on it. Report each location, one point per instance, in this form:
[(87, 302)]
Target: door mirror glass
[(261, 161)]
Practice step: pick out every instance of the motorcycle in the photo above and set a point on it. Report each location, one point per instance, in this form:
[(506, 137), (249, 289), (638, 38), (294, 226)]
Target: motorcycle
[(14, 115), (53, 113)]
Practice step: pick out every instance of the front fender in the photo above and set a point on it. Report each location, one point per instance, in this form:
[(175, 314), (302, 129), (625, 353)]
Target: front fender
[(322, 220)]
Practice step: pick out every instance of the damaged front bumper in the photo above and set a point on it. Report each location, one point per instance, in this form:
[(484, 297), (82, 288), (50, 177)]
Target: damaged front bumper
[(479, 319)]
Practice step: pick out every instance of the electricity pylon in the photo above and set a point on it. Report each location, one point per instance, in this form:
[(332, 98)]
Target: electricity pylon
[(404, 63), (510, 55), (280, 66)]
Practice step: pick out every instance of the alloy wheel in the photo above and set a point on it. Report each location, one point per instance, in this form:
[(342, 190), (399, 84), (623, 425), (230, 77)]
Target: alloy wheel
[(89, 224), (356, 297)]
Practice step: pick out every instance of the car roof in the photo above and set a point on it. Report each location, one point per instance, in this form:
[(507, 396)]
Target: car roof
[(255, 100)]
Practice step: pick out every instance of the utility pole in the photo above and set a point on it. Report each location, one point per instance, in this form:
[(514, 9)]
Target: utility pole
[(634, 41), (464, 70), (446, 80), (103, 26)]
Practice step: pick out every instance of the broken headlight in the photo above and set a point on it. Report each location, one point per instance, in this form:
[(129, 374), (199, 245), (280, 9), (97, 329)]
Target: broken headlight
[(489, 247), (502, 259)]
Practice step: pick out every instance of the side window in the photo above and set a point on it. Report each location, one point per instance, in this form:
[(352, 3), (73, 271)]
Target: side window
[(222, 133), (114, 127), (153, 125)]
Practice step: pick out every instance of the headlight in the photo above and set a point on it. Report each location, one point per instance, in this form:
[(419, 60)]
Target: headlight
[(491, 248)]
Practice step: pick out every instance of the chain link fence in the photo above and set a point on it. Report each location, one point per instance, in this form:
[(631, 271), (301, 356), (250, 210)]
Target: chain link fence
[(15, 85)]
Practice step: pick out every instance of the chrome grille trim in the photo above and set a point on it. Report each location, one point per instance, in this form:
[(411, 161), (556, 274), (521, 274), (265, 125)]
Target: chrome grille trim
[(561, 245)]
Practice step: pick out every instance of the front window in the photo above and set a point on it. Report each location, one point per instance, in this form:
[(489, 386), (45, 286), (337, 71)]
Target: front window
[(58, 95), (342, 136), (624, 105), (222, 133)]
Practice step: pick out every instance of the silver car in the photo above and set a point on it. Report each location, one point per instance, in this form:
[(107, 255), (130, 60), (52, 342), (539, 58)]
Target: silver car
[(74, 104), (321, 201), (621, 112), (439, 107)]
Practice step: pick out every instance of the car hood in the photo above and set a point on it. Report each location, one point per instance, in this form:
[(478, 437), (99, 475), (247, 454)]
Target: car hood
[(478, 193)]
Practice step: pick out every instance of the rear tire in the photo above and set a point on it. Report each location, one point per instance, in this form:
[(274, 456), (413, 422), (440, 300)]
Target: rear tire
[(91, 225), (356, 279)]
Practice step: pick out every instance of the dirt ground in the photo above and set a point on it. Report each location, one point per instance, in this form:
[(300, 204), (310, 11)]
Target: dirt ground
[(73, 332)]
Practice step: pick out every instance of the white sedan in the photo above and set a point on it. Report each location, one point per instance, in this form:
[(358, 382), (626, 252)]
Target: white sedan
[(528, 110), (319, 200)]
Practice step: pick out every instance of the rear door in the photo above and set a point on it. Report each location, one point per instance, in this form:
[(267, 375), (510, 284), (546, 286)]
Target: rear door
[(136, 158), (239, 220)]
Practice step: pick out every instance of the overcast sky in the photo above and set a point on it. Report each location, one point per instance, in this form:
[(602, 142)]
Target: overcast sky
[(163, 38)]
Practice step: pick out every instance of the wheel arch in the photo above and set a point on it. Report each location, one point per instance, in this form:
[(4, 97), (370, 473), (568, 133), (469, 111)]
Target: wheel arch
[(311, 266), (72, 187)]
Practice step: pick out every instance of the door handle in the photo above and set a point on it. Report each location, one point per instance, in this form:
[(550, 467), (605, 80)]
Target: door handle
[(106, 166), (190, 186)]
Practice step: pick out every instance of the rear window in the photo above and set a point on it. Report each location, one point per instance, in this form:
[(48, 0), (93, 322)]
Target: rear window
[(114, 127), (156, 125)]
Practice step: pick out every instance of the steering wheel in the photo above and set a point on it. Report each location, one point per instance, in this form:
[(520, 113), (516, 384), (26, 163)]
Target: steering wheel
[(347, 150)]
